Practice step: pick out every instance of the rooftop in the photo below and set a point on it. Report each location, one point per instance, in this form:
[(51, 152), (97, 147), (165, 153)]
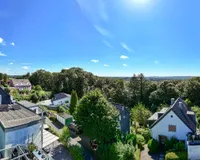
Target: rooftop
[(27, 104), (21, 82), (60, 96), (15, 115), (65, 116)]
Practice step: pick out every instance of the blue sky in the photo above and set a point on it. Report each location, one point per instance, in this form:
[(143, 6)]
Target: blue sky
[(105, 37)]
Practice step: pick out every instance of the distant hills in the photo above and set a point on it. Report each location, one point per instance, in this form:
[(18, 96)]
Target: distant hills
[(157, 78)]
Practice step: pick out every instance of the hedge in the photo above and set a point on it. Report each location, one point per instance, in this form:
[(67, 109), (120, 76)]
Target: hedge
[(153, 146)]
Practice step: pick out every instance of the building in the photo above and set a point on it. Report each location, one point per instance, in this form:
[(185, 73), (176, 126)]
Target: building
[(17, 125), (64, 118), (124, 118), (176, 121), (5, 98), (20, 84), (61, 99), (34, 107)]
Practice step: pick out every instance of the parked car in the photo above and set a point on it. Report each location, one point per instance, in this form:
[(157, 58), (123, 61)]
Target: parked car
[(75, 128)]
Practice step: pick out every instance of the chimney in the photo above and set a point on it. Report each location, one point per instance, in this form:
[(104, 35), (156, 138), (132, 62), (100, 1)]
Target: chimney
[(172, 101), (0, 99)]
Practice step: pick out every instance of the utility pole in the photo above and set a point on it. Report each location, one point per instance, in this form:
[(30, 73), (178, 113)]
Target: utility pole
[(42, 126)]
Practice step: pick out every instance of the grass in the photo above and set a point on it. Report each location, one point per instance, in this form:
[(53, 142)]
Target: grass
[(137, 154)]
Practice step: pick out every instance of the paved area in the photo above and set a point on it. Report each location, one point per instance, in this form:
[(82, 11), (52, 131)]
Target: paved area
[(58, 152), (146, 156)]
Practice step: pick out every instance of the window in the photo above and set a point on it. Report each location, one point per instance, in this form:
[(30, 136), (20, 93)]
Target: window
[(172, 128)]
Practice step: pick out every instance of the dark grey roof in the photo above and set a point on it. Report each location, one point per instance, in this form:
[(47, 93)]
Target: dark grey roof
[(65, 116), (5, 97), (20, 82), (155, 115), (27, 104), (60, 96), (181, 112), (15, 115)]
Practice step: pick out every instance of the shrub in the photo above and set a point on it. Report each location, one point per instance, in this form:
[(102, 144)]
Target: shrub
[(137, 154), (145, 133), (65, 136), (76, 152), (176, 156), (140, 140), (179, 147), (60, 109), (169, 144), (153, 145), (131, 139)]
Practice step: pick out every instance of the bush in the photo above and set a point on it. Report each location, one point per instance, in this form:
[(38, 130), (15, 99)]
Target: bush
[(145, 133), (60, 109), (176, 156), (137, 154), (179, 147), (65, 136), (153, 145), (76, 152), (169, 144), (131, 139), (140, 141)]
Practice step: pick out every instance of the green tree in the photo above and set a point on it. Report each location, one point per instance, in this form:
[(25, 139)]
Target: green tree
[(1, 76), (140, 114), (65, 136), (37, 88), (7, 90), (97, 117), (73, 102), (5, 78), (34, 98)]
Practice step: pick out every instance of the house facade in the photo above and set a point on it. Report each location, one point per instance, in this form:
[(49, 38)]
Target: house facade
[(176, 121), (61, 99), (20, 84), (17, 126), (64, 118)]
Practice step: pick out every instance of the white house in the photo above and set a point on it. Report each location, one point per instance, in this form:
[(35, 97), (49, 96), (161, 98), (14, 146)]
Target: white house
[(17, 126), (178, 120), (61, 99)]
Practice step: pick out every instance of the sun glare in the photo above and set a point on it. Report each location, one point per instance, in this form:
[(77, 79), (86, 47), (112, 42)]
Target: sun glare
[(139, 1)]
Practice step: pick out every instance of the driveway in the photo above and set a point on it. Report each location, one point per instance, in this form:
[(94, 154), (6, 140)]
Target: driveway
[(146, 156), (58, 152)]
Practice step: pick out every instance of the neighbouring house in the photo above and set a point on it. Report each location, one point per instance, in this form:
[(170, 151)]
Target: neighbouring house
[(176, 121), (123, 118), (64, 118), (32, 106), (20, 84), (61, 99), (17, 126), (5, 98)]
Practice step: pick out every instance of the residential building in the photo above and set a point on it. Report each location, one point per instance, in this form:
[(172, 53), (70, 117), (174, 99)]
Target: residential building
[(176, 121), (61, 99), (123, 117), (32, 106), (20, 84), (5, 98), (64, 118), (17, 125)]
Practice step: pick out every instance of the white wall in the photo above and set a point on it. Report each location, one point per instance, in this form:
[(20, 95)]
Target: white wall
[(60, 119), (61, 101), (20, 136), (193, 152), (161, 128)]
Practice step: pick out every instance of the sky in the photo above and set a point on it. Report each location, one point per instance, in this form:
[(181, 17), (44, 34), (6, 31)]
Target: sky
[(105, 37)]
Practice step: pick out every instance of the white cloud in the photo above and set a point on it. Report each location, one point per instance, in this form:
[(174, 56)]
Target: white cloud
[(124, 65), (124, 45), (95, 60), (25, 67), (102, 31), (156, 62), (2, 42), (107, 44), (2, 54), (11, 63), (26, 63), (95, 10), (106, 65), (123, 57), (13, 44)]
